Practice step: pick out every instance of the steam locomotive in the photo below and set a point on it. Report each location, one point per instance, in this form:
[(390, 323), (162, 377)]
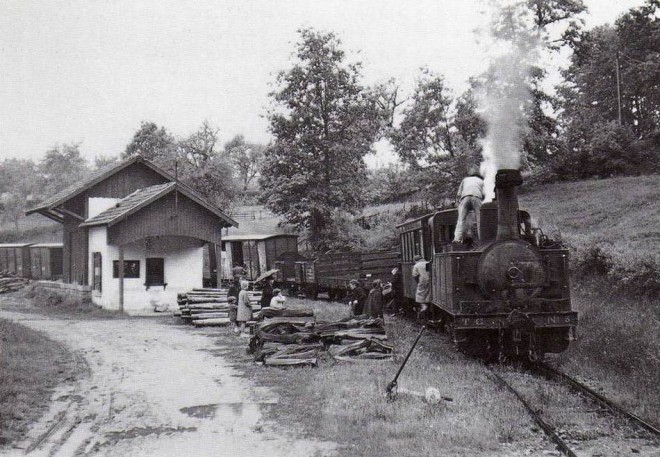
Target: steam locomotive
[(506, 294)]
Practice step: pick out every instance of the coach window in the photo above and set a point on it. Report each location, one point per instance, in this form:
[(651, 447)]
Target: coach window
[(409, 246)]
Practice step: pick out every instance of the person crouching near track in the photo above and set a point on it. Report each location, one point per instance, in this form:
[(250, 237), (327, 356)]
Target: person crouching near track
[(373, 307), (421, 276), (356, 297), (278, 300), (244, 311)]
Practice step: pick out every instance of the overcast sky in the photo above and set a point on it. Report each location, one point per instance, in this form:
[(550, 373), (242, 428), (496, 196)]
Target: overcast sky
[(90, 71)]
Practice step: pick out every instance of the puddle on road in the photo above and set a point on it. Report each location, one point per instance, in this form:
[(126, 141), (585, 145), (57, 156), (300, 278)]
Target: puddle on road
[(201, 411), (244, 414), (145, 431)]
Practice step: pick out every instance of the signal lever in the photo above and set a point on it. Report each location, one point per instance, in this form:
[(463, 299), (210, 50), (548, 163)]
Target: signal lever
[(392, 386)]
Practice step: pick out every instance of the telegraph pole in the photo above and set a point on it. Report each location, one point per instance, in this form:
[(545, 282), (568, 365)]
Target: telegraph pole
[(618, 86)]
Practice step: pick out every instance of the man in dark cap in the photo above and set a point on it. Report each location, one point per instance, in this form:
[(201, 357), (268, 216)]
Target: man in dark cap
[(356, 297)]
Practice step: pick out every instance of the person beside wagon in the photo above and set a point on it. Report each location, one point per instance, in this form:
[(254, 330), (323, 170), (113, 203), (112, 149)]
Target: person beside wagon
[(423, 292), (356, 297), (373, 307)]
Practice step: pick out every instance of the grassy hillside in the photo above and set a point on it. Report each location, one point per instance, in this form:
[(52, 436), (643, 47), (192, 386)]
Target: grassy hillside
[(624, 211), (612, 226), (613, 229)]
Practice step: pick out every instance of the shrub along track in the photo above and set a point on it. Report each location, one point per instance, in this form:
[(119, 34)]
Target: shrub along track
[(585, 430)]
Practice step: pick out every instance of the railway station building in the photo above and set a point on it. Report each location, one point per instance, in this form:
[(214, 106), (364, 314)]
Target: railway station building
[(134, 235)]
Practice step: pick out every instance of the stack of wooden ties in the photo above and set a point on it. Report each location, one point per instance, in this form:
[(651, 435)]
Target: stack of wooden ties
[(10, 282), (209, 307)]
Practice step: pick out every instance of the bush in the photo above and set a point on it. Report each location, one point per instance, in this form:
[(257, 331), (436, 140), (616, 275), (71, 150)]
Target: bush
[(628, 269), (635, 273), (591, 256)]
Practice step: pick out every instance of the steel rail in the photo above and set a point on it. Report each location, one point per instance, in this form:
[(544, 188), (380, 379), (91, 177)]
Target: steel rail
[(550, 372), (546, 427)]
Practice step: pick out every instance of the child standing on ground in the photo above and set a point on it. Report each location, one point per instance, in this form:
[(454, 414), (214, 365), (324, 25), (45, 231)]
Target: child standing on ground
[(233, 309)]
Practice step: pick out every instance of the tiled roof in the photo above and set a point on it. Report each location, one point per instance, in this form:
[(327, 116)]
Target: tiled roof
[(95, 178), (138, 198), (146, 196)]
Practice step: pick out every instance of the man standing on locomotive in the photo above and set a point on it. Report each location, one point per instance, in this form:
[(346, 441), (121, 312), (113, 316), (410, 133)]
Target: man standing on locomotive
[(470, 194), (423, 293)]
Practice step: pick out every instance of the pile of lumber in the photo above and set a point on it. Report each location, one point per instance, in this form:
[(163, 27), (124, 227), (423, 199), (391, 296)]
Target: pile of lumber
[(286, 337), (356, 338), (209, 307), (10, 282), (296, 339)]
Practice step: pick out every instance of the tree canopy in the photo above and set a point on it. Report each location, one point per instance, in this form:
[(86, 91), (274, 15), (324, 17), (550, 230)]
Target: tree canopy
[(324, 122)]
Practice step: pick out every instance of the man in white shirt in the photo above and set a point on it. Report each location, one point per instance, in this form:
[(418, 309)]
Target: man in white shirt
[(470, 194)]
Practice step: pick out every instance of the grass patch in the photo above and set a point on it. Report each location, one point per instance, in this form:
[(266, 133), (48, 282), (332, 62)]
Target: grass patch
[(31, 365), (618, 346), (609, 224), (52, 302), (345, 402)]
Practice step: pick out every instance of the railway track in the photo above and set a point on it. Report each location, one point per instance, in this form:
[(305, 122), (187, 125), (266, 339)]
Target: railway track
[(552, 373), (551, 430), (548, 429)]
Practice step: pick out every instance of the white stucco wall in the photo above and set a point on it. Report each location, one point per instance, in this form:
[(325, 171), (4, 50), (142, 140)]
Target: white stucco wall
[(96, 205), (183, 261)]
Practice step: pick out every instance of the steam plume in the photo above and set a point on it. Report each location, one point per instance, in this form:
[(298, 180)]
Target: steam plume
[(505, 95)]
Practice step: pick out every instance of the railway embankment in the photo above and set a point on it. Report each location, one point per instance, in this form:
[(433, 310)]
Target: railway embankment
[(611, 228)]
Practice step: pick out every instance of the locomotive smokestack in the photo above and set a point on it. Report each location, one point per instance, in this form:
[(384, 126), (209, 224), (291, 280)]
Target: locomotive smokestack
[(506, 189)]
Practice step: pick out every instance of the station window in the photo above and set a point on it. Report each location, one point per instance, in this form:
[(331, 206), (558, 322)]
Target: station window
[(131, 268), (155, 271)]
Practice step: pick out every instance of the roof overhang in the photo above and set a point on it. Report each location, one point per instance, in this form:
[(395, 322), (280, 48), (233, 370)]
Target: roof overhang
[(172, 187), (42, 209)]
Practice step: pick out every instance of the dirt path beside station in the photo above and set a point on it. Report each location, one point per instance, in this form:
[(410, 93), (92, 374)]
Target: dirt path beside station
[(151, 389)]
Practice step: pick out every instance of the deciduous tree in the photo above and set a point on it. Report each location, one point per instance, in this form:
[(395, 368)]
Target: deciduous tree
[(246, 159), (324, 122)]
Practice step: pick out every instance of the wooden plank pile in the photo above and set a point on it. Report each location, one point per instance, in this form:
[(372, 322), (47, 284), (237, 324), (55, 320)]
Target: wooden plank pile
[(285, 340), (11, 283), (209, 307)]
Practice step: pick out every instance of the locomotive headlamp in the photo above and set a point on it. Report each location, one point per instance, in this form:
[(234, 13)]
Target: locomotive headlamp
[(514, 273)]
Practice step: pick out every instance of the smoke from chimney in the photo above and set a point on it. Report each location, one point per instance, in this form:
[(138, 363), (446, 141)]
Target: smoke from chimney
[(505, 95)]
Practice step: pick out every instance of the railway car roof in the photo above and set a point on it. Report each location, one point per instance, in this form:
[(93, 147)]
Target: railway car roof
[(47, 245), (256, 237)]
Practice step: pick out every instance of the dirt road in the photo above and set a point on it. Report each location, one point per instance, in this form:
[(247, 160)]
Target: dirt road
[(152, 389)]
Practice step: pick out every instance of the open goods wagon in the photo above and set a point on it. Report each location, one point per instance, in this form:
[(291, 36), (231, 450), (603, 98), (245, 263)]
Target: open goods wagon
[(331, 273)]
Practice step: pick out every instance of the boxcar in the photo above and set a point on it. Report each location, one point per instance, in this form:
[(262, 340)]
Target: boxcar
[(15, 259), (46, 261)]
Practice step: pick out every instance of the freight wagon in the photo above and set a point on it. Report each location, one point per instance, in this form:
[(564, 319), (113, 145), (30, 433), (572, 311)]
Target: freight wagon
[(34, 261), (331, 273)]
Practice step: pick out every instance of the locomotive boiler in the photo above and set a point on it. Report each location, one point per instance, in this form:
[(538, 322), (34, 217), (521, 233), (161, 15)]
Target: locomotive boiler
[(505, 292)]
